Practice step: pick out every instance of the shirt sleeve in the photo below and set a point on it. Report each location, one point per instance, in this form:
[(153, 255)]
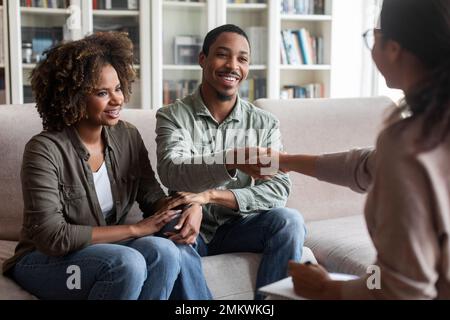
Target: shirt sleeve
[(44, 222), (149, 190), (400, 207), (178, 168), (353, 169)]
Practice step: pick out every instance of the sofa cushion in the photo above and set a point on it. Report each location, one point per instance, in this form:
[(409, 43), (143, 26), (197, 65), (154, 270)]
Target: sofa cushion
[(9, 290), (342, 244), (233, 276), (316, 126)]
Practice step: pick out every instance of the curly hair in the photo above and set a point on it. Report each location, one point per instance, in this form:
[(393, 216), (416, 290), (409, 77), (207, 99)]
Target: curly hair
[(70, 72)]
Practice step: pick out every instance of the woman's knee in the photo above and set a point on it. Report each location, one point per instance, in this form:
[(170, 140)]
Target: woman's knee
[(157, 249), (123, 262)]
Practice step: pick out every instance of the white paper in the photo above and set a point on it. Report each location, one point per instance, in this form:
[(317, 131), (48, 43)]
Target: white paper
[(284, 289)]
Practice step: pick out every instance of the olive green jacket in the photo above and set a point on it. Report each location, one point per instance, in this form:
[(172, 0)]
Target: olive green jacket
[(60, 203)]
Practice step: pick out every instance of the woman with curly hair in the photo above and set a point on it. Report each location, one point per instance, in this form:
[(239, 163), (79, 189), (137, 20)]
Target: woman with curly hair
[(80, 178)]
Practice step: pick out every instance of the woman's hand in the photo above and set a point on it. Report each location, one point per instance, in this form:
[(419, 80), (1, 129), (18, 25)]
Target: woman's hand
[(258, 163), (153, 223), (311, 281), (189, 225)]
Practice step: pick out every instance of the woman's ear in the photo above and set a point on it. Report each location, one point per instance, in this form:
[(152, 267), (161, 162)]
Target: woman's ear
[(393, 50)]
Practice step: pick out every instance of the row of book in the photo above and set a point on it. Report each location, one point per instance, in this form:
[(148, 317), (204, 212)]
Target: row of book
[(253, 88), (306, 91), (299, 47), (115, 4), (303, 6), (177, 89), (54, 4)]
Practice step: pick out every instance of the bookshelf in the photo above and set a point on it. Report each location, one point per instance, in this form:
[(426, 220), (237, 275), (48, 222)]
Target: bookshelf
[(167, 35)]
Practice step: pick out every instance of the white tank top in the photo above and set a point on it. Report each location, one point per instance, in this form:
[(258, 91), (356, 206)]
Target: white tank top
[(103, 190)]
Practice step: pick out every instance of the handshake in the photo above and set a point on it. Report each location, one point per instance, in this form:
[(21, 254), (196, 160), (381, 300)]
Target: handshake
[(259, 163)]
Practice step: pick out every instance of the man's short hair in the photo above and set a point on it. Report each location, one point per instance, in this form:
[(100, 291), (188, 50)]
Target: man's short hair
[(212, 36)]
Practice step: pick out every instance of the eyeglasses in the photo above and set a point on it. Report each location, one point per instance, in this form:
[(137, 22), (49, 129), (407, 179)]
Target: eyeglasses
[(369, 37)]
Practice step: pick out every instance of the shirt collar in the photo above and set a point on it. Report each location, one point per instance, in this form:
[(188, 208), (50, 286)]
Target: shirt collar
[(200, 108), (81, 150)]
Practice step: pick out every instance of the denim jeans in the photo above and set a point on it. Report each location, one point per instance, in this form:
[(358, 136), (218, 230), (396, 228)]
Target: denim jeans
[(145, 268), (278, 234)]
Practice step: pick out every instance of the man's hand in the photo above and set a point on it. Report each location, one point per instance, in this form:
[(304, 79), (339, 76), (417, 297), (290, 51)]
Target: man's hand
[(189, 225)]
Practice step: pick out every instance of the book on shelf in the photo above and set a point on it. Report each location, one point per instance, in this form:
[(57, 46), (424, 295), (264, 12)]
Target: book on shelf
[(115, 4), (304, 7), (178, 89), (299, 47), (306, 91), (253, 89), (51, 4)]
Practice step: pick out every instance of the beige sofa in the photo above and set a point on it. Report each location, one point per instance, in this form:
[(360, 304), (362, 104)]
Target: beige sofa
[(336, 231)]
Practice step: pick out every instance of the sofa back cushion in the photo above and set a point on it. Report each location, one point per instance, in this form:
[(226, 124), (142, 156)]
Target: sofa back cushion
[(322, 126), (18, 123), (308, 126)]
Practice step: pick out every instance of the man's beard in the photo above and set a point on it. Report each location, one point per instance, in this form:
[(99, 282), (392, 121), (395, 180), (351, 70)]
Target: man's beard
[(222, 97)]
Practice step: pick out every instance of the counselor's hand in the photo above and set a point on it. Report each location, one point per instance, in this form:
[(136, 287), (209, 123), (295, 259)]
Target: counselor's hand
[(254, 161), (310, 280)]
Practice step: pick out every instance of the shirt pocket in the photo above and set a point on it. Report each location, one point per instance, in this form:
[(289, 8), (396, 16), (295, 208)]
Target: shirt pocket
[(75, 204)]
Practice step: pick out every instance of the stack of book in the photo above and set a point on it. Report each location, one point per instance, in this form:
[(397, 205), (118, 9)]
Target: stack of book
[(310, 90), (300, 47), (303, 6)]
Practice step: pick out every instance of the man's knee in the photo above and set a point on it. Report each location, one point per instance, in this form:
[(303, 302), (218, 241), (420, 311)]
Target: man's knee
[(288, 220)]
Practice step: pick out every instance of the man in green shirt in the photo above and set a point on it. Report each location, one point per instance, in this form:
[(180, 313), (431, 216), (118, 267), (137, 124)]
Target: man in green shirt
[(198, 139)]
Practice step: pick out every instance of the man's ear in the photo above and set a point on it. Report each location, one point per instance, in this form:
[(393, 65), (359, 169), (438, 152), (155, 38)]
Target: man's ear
[(201, 59)]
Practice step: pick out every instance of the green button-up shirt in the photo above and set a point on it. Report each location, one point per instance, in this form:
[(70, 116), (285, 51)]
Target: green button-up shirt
[(191, 147)]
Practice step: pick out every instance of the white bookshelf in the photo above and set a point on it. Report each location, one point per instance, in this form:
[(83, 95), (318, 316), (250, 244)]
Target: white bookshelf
[(160, 21)]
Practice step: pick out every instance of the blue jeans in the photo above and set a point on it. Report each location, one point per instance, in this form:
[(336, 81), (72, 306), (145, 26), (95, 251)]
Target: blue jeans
[(145, 268), (278, 234)]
